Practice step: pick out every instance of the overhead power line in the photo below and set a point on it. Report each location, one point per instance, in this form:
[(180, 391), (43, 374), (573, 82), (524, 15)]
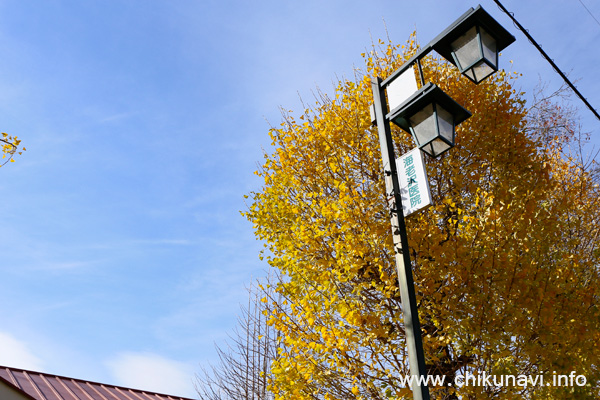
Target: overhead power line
[(537, 46), (589, 12)]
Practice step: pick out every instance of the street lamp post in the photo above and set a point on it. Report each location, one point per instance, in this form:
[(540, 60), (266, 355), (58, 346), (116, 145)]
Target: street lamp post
[(471, 43), (412, 327)]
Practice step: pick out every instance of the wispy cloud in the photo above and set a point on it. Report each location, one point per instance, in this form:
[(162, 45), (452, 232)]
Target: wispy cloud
[(177, 242), (17, 354), (61, 266), (116, 117), (151, 372)]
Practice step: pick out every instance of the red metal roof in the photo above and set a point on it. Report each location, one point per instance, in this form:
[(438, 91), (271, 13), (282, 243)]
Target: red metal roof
[(40, 386)]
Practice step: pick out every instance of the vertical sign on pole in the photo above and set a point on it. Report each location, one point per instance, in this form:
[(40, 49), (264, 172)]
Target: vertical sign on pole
[(414, 186)]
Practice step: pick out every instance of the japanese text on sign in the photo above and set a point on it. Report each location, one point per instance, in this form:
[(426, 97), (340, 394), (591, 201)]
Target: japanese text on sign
[(414, 187)]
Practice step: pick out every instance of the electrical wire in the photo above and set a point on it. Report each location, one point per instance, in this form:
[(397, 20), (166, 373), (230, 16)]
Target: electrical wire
[(589, 12), (539, 48)]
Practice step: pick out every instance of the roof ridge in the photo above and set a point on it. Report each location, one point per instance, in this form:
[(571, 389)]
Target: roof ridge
[(73, 394), (16, 385), (47, 382), (59, 377), (34, 384), (13, 379), (88, 384)]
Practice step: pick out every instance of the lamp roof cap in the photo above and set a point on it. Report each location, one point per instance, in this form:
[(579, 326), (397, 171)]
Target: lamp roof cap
[(473, 17)]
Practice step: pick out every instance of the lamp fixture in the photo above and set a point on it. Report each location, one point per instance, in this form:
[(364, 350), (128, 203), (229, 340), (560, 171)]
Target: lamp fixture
[(430, 116), (473, 44)]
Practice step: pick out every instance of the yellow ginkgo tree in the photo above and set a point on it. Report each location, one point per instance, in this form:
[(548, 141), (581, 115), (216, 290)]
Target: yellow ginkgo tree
[(10, 147), (506, 260)]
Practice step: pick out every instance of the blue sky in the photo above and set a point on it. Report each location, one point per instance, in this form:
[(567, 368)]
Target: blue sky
[(123, 255)]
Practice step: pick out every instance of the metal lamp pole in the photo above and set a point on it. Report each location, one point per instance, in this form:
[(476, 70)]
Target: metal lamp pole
[(416, 357), (472, 44)]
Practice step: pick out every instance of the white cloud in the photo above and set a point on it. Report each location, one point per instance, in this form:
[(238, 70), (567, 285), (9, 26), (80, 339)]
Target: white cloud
[(16, 353), (153, 373)]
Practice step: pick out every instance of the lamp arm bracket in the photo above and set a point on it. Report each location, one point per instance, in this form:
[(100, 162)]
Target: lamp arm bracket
[(423, 51)]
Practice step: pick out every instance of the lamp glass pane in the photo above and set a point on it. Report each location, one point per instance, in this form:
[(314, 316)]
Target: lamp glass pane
[(488, 43), (445, 124), (466, 49), (438, 146), (428, 149), (423, 125), (470, 74), (481, 71)]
